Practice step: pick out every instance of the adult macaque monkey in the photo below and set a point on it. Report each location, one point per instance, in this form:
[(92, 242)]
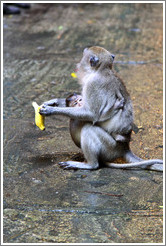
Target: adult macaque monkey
[(101, 89)]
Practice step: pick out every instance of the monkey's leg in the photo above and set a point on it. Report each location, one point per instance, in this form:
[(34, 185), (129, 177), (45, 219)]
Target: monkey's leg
[(89, 149), (93, 139)]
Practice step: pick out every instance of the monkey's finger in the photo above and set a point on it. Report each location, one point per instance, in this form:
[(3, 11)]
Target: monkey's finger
[(45, 110)]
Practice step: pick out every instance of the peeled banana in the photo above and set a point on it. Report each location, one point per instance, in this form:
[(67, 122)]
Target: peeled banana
[(39, 119)]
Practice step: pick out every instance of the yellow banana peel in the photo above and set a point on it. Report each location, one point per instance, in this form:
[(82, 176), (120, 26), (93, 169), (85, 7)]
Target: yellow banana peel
[(39, 119)]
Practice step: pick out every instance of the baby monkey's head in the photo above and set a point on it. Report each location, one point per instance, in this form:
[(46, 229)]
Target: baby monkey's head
[(74, 100)]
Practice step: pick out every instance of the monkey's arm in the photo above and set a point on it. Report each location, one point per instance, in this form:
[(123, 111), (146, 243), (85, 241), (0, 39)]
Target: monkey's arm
[(79, 113), (58, 102)]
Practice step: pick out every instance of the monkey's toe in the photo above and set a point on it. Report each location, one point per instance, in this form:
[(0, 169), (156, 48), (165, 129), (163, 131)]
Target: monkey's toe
[(79, 165), (67, 165)]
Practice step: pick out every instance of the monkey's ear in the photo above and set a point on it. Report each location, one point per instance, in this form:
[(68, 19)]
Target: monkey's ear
[(94, 61), (86, 49), (113, 56)]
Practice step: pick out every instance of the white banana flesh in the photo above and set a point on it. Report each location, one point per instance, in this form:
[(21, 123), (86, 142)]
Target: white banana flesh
[(39, 119)]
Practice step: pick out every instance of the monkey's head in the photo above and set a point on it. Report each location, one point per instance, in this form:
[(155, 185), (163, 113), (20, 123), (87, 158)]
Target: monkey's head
[(94, 58), (74, 100)]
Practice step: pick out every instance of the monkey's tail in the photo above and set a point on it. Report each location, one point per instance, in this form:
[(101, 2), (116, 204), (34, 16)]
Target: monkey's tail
[(136, 162)]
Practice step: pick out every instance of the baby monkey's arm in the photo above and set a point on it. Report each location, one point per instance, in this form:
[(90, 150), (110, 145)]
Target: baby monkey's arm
[(56, 102)]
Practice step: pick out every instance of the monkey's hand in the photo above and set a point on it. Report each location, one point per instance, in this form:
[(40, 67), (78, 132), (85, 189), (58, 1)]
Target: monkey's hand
[(119, 104), (46, 110)]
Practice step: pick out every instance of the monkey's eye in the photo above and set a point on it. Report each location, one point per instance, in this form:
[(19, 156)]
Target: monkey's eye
[(94, 61), (113, 56)]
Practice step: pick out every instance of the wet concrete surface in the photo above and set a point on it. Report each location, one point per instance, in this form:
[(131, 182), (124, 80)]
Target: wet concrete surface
[(42, 202)]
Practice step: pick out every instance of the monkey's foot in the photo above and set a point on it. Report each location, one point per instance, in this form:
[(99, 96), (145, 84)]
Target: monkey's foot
[(77, 165)]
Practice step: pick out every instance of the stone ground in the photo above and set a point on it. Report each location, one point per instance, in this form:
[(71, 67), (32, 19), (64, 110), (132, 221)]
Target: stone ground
[(42, 202)]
